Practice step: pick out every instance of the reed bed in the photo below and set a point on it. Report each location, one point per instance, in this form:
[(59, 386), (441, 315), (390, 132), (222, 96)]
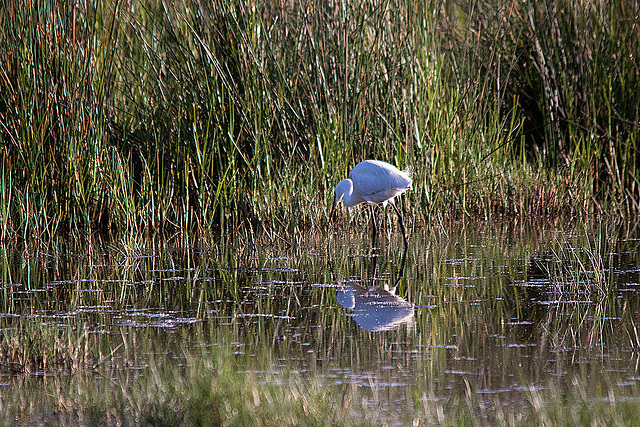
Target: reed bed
[(144, 115)]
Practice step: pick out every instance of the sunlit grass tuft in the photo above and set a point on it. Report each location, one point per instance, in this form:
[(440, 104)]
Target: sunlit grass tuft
[(581, 272)]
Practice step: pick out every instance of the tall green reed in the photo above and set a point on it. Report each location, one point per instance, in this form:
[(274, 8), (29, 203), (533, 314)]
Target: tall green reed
[(242, 116), (570, 71)]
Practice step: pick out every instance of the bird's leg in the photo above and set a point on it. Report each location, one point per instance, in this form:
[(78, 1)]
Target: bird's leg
[(401, 272), (374, 268), (404, 234), (375, 227)]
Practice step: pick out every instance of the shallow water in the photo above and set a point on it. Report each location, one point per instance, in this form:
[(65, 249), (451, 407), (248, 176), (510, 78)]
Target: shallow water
[(494, 310)]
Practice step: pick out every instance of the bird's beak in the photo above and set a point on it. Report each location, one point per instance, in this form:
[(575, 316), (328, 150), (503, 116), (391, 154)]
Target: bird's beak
[(333, 209)]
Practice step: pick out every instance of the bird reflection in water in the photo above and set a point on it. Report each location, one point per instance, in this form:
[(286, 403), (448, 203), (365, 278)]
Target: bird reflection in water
[(376, 308)]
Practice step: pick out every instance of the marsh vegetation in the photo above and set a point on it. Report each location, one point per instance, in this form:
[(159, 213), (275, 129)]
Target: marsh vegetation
[(150, 116), (166, 174)]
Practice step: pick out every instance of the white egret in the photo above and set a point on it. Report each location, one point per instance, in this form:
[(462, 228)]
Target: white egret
[(373, 182)]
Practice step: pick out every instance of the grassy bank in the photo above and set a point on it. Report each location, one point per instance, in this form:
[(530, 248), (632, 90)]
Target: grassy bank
[(144, 115)]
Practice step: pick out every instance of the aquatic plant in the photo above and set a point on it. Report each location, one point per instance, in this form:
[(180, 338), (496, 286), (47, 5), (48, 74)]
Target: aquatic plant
[(233, 115)]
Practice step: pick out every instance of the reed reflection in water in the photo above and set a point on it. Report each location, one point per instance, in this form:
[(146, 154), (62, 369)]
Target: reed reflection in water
[(485, 311)]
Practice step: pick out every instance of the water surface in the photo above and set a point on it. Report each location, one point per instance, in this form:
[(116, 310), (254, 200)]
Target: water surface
[(497, 311)]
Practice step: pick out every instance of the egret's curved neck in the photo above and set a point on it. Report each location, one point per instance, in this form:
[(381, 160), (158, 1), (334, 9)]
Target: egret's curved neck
[(345, 189)]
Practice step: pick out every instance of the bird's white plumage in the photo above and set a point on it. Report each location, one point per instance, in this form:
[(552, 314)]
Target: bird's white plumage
[(378, 182), (373, 182)]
